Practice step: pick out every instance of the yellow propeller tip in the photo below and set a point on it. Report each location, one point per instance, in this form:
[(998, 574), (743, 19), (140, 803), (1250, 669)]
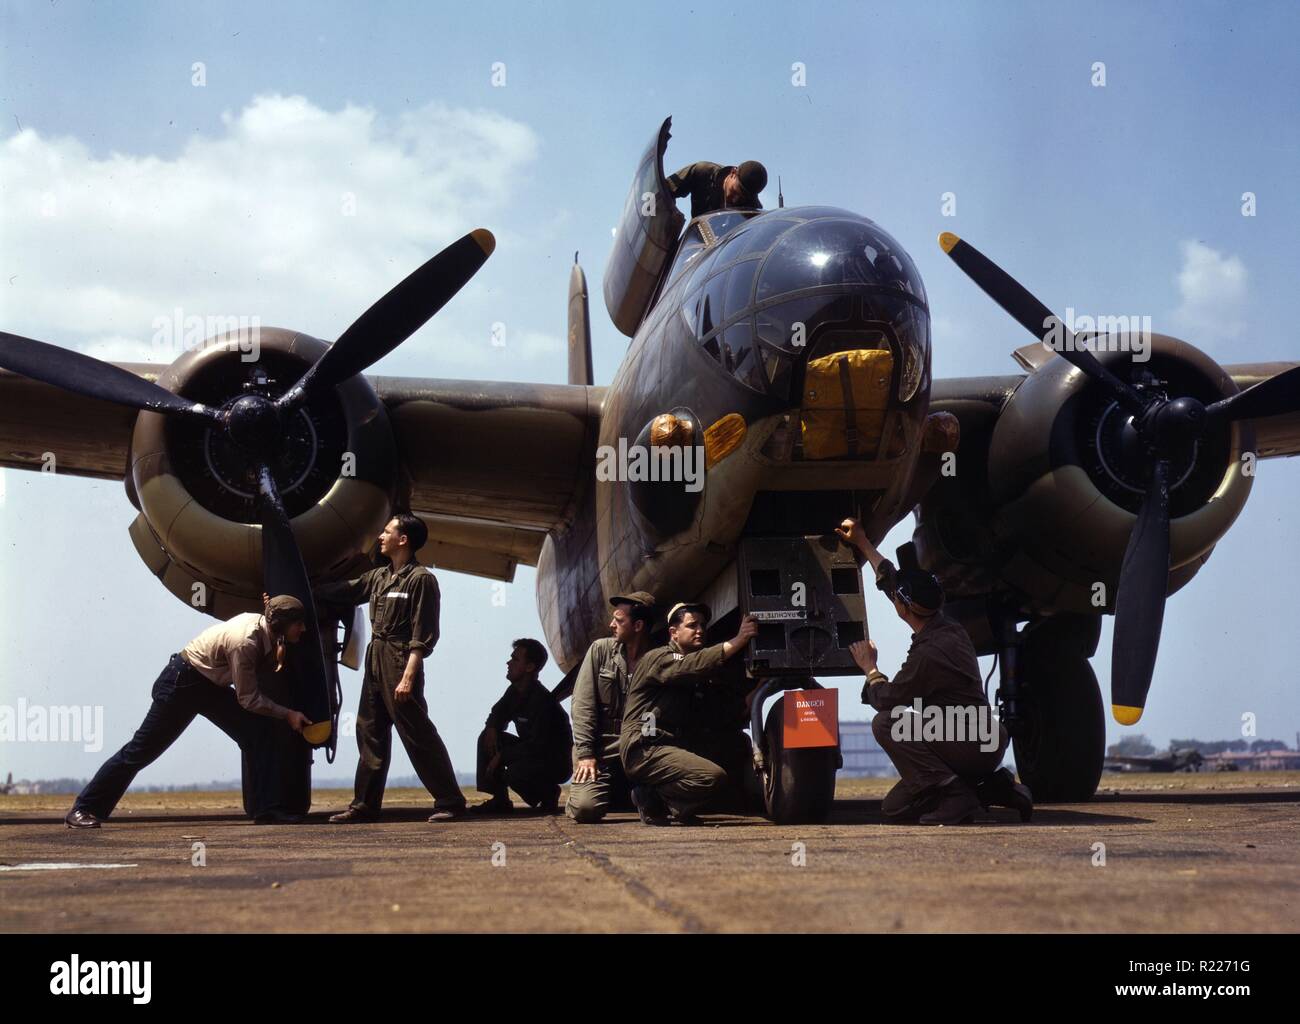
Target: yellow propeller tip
[(485, 240), (947, 241), (317, 733), (1125, 715)]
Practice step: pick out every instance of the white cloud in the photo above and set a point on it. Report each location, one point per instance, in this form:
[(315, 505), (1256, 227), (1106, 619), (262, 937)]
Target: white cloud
[(1212, 288), (253, 222)]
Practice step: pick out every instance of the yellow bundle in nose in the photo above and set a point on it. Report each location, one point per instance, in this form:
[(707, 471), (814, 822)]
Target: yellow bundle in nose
[(845, 395)]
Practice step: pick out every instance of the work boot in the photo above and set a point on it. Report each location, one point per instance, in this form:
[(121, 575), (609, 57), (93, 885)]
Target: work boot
[(448, 813), (649, 807), (78, 818), (957, 805), (497, 805), (353, 816), (1000, 789), (550, 804)]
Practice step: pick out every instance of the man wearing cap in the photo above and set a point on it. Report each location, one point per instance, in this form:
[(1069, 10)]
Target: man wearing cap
[(598, 696), (942, 781), (714, 187), (670, 783), (214, 676), (404, 603), (534, 762)]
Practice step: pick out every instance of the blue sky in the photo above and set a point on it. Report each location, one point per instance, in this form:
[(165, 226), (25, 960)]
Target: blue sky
[(129, 191)]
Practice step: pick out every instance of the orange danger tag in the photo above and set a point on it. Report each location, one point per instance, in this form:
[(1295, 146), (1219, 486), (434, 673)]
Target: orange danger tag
[(812, 718)]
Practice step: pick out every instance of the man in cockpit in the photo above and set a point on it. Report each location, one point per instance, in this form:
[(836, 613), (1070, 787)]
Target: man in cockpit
[(714, 187)]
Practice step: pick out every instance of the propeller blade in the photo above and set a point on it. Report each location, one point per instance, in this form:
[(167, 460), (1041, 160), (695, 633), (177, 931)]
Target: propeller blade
[(1033, 316), (398, 315), (1272, 397), (94, 378), (283, 573), (1140, 601)]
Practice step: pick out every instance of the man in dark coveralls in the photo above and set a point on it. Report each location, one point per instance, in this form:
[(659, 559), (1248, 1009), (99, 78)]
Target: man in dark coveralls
[(944, 779), (714, 187), (404, 605), (656, 719), (539, 758)]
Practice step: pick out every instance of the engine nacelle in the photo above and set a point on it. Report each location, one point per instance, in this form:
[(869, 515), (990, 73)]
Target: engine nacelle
[(198, 525), (1067, 483)]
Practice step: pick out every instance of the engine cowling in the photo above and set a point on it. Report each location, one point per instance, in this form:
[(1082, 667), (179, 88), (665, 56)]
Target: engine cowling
[(1067, 483), (336, 469)]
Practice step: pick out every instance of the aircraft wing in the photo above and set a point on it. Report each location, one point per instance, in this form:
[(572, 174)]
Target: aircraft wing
[(489, 466)]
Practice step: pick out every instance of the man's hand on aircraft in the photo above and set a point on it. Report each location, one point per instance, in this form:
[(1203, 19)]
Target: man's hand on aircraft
[(586, 770), (297, 721), (852, 533), (747, 631), (864, 653)]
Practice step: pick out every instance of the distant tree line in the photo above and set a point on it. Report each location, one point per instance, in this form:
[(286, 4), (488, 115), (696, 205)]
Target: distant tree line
[(1138, 745)]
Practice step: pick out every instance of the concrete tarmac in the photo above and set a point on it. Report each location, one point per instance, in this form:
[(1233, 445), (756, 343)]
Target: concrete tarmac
[(1150, 853)]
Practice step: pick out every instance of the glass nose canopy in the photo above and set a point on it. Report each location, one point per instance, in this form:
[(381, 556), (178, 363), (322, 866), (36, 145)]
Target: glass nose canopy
[(808, 281)]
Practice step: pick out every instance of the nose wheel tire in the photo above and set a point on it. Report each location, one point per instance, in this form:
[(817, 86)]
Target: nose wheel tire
[(798, 784)]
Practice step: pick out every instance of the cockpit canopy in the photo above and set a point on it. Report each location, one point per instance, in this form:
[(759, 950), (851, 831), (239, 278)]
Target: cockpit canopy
[(765, 289)]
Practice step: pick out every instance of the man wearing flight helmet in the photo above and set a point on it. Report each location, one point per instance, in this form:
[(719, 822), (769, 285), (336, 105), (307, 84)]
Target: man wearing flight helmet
[(948, 772)]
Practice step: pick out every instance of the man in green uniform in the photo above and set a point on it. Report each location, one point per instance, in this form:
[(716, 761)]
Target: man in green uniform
[(539, 758), (404, 604), (946, 774), (714, 187), (656, 719), (598, 696), (716, 731)]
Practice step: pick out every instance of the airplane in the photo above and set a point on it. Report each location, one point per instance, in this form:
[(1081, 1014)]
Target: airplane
[(8, 786), (792, 346), (1183, 759)]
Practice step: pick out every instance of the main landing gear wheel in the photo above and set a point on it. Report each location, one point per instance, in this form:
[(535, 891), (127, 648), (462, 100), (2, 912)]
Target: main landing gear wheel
[(798, 785), (1061, 744)]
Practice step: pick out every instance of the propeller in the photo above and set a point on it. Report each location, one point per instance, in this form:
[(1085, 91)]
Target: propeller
[(256, 423), (1164, 429)]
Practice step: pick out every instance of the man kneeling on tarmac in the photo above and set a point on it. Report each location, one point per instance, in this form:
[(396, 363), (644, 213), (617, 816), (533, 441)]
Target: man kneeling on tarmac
[(934, 721), (667, 778)]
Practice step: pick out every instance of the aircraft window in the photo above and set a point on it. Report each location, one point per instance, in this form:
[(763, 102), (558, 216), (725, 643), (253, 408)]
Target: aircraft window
[(723, 223), (739, 358), (711, 347), (778, 366), (841, 251), (691, 246), (761, 233), (711, 310), (740, 287), (776, 324)]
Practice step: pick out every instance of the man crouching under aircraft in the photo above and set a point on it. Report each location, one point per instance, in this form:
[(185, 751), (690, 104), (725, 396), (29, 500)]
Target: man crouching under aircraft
[(934, 721), (666, 777), (198, 681), (539, 758)]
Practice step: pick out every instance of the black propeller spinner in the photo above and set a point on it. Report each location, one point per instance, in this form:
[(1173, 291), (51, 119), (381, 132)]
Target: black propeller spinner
[(1160, 432), (255, 423)]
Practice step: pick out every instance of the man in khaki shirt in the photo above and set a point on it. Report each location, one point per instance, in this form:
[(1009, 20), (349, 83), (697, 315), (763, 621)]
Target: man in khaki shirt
[(214, 676)]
